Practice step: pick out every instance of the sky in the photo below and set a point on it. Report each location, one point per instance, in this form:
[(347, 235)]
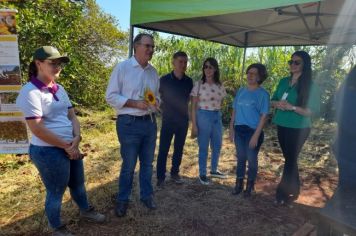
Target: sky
[(121, 10), (118, 8)]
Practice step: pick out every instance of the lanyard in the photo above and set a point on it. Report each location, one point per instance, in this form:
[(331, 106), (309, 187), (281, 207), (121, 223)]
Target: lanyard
[(285, 94)]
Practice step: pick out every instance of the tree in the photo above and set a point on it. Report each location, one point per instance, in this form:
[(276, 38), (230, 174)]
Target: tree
[(81, 29), (328, 69)]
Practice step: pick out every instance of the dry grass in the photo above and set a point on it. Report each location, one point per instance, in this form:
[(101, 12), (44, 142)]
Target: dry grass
[(189, 209)]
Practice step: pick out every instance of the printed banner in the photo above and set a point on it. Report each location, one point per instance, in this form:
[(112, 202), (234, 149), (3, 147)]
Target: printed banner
[(7, 22), (13, 130)]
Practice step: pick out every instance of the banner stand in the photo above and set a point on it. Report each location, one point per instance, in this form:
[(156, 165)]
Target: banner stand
[(13, 130)]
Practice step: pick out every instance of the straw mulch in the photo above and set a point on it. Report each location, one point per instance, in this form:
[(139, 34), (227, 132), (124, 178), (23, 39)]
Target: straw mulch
[(188, 209)]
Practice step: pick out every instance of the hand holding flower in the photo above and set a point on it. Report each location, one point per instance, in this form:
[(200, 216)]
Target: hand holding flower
[(150, 99)]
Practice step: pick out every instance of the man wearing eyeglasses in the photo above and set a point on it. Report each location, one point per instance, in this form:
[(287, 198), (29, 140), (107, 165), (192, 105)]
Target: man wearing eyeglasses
[(136, 125)]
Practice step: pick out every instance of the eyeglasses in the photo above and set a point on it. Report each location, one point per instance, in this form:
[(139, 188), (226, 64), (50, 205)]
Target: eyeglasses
[(251, 73), (56, 64), (291, 62), (146, 45), (208, 67)]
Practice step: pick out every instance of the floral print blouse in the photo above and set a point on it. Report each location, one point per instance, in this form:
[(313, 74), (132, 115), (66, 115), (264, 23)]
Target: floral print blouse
[(210, 95)]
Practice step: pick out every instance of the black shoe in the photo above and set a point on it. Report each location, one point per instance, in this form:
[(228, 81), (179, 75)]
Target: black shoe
[(283, 203), (238, 187), (160, 183), (249, 188), (291, 198), (121, 208), (218, 174), (204, 180), (149, 203), (279, 202), (177, 179)]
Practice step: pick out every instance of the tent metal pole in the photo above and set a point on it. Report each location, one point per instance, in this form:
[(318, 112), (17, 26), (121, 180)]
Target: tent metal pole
[(130, 40), (244, 58)]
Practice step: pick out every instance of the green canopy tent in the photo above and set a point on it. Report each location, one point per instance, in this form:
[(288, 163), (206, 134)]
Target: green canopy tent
[(248, 23), (251, 23), (254, 23)]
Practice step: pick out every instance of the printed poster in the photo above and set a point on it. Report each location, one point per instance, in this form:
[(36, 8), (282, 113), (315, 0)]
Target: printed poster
[(13, 130)]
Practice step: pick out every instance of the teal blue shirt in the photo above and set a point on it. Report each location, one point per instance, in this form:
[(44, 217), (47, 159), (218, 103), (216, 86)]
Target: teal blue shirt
[(249, 105)]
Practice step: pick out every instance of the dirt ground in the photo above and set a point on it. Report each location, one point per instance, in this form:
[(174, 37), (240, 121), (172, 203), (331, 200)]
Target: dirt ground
[(194, 209)]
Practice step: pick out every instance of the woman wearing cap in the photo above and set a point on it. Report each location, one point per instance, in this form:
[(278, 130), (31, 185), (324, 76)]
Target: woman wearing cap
[(296, 99), (54, 147)]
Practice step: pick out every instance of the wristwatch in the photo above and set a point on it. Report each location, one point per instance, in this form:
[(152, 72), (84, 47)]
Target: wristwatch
[(294, 108)]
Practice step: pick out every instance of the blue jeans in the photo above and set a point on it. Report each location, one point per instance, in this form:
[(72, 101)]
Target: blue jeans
[(209, 132), (243, 135), (57, 172), (137, 138)]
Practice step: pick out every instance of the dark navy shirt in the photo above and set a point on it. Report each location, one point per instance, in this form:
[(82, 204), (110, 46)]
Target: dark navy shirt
[(175, 95)]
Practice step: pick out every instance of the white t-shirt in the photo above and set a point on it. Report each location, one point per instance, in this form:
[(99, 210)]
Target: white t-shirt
[(40, 103)]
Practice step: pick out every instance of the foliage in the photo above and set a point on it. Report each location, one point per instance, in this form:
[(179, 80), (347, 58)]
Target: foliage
[(81, 29), (229, 58), (328, 73), (94, 44), (327, 65), (230, 63)]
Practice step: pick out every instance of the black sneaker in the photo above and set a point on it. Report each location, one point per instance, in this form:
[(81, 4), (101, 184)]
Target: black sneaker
[(279, 202), (283, 203), (177, 179), (218, 174), (160, 183), (121, 208), (149, 203), (204, 180)]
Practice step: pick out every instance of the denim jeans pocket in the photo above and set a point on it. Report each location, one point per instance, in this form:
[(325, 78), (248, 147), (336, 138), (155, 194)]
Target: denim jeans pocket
[(125, 120)]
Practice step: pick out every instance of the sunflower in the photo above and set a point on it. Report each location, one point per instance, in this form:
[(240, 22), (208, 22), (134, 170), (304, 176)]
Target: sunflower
[(149, 97)]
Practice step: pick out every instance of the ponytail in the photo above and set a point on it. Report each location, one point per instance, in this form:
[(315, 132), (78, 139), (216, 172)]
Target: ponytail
[(32, 70)]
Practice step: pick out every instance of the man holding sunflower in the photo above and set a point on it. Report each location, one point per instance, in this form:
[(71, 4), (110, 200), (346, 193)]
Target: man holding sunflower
[(174, 90), (133, 92)]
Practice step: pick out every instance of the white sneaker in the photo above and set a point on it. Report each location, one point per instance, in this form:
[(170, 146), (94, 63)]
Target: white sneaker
[(92, 215)]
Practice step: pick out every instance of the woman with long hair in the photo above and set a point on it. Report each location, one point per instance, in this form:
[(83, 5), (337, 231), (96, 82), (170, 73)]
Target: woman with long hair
[(296, 99), (207, 96)]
